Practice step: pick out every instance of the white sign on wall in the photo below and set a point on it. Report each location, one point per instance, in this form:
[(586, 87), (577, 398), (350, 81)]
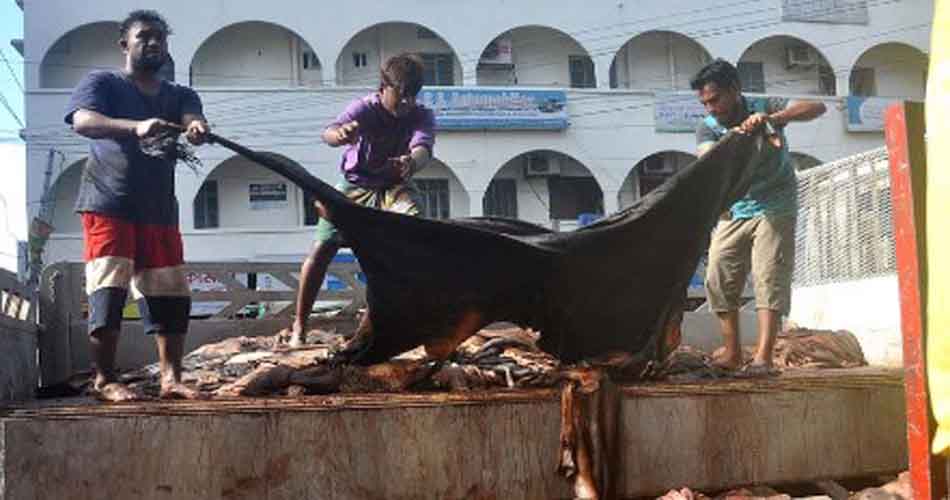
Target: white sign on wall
[(826, 11), (677, 112), (267, 196)]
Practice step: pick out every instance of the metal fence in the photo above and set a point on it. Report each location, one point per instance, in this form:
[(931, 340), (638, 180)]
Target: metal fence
[(844, 228), (18, 339)]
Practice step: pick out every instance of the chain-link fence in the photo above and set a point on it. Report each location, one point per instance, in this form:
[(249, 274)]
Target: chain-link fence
[(844, 228)]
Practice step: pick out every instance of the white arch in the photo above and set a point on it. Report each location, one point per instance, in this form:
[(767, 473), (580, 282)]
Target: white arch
[(911, 52), (823, 59), (63, 197), (234, 200), (293, 78), (374, 69), (557, 32), (804, 161), (628, 178), (73, 67), (691, 42)]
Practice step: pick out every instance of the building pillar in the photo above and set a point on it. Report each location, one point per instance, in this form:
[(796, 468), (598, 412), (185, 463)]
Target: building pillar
[(843, 83), (602, 69), (611, 201), (470, 73), (328, 74), (475, 203)]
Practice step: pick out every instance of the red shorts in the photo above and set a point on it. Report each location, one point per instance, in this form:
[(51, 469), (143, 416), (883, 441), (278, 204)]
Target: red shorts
[(147, 245), (148, 257)]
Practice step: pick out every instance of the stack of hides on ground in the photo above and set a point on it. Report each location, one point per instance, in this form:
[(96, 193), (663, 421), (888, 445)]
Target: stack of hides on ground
[(491, 359)]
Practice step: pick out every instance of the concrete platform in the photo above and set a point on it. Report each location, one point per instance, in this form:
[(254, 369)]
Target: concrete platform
[(709, 435)]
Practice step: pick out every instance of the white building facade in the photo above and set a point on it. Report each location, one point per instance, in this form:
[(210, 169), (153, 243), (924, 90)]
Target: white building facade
[(271, 76)]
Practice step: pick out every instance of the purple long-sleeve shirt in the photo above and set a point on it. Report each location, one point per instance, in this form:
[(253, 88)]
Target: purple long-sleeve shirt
[(382, 136)]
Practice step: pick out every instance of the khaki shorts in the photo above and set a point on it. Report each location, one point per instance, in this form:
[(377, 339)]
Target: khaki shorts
[(401, 198), (766, 246)]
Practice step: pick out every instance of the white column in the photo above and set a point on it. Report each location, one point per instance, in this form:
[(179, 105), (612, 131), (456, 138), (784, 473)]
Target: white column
[(602, 69), (611, 201), (475, 203), (469, 73), (843, 83)]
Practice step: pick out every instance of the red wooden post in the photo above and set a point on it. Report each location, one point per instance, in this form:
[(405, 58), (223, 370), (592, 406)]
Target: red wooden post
[(904, 131)]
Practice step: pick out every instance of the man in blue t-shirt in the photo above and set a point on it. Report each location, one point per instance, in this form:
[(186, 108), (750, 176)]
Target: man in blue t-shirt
[(758, 231), (127, 202)]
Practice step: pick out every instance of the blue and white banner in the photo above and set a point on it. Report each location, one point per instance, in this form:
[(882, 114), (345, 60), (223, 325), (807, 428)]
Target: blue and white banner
[(866, 114), (507, 109)]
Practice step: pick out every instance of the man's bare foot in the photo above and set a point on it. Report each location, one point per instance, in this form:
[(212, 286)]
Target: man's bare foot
[(177, 390), (725, 361), (757, 370), (298, 336), (115, 392)]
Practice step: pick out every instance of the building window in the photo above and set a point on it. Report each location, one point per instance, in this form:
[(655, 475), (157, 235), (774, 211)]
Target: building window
[(206, 206), (501, 199), (582, 72), (309, 60), (359, 59), (826, 80), (752, 77), (572, 196), (862, 82), (434, 195), (439, 69)]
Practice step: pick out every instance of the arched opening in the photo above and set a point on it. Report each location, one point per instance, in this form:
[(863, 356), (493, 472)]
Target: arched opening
[(62, 199), (544, 187), (84, 49), (255, 54), (785, 65), (890, 70), (657, 60), (441, 193), (359, 62), (802, 161), (535, 56), (239, 193), (651, 172)]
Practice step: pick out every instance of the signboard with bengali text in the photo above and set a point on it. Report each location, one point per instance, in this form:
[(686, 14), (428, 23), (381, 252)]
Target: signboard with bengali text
[(508, 109)]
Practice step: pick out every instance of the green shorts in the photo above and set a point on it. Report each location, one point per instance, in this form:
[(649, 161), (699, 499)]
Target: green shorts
[(400, 198)]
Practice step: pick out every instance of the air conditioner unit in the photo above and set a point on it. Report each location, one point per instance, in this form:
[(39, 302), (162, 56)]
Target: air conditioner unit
[(657, 165), (497, 54), (541, 166), (797, 55)]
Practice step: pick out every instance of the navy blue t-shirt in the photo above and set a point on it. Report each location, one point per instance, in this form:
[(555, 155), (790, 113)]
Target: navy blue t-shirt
[(118, 179)]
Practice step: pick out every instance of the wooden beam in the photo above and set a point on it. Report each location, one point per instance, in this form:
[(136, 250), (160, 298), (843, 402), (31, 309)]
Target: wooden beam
[(709, 435), (904, 131)]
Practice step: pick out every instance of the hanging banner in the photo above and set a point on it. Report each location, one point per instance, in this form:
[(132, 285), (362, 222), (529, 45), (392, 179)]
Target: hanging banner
[(507, 109), (866, 114)]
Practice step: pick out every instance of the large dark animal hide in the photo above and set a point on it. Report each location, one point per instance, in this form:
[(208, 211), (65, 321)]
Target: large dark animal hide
[(608, 287)]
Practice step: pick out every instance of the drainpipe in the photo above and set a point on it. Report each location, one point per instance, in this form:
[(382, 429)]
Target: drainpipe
[(294, 61), (671, 57)]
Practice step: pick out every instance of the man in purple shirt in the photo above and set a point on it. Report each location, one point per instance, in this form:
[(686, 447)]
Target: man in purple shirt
[(387, 138)]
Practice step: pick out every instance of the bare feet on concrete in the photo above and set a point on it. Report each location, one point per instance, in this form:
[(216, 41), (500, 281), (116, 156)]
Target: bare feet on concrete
[(298, 335), (172, 389), (725, 360), (112, 391)]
